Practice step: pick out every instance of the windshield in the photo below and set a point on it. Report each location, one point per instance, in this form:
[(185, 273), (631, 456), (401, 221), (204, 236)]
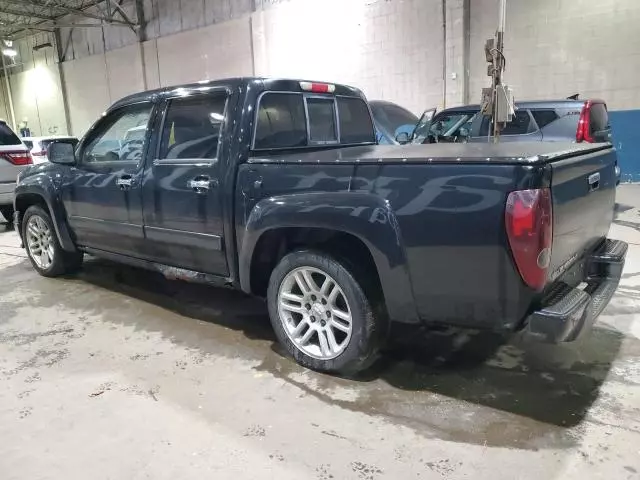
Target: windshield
[(393, 118)]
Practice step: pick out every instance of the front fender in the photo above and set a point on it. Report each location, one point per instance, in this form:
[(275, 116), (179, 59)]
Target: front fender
[(42, 186), (363, 215)]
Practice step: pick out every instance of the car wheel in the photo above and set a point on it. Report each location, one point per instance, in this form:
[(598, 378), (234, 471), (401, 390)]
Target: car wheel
[(321, 314), (7, 212), (42, 245)]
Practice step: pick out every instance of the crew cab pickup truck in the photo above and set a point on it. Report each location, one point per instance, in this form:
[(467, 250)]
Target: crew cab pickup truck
[(277, 188)]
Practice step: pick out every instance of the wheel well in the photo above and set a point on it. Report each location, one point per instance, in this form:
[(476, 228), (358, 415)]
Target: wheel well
[(349, 249), (26, 200)]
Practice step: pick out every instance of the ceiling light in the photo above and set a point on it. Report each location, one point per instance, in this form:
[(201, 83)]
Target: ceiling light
[(9, 52)]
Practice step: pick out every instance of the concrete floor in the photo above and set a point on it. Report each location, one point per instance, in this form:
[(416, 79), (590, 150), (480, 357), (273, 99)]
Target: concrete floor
[(119, 374)]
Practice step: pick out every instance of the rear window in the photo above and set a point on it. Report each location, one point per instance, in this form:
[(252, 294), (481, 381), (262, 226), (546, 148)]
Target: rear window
[(520, 125), (28, 144), (355, 121), (544, 117), (7, 137), (599, 118), (322, 120), (282, 121)]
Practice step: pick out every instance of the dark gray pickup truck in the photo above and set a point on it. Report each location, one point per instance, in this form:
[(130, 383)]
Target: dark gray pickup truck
[(277, 188)]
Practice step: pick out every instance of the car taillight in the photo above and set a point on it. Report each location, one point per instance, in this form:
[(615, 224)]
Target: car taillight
[(17, 158), (317, 87), (584, 124), (38, 154), (529, 223)]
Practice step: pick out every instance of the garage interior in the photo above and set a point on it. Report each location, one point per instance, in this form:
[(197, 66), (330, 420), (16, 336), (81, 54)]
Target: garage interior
[(119, 373)]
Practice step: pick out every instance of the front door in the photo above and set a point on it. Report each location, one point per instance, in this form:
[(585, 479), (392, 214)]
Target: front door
[(103, 195), (182, 188)]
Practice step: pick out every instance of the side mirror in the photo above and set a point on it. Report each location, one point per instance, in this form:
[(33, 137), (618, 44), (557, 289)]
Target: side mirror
[(61, 152), (463, 132), (403, 138)]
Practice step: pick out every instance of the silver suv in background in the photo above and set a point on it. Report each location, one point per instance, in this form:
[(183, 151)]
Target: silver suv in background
[(14, 157), (38, 145)]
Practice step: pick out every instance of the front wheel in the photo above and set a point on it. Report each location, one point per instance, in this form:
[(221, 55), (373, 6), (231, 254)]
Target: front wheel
[(43, 248), (321, 314)]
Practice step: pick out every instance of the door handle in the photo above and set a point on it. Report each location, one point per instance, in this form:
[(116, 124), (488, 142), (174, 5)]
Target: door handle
[(124, 182), (201, 184), (594, 181)]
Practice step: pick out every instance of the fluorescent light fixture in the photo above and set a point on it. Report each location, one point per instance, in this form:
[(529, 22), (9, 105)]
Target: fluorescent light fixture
[(9, 52)]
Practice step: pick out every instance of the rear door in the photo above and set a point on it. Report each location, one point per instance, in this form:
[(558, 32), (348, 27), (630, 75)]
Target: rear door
[(182, 195)]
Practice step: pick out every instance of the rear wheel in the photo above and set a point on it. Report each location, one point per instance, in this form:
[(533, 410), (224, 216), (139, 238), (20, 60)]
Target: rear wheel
[(43, 248), (7, 212), (321, 314)]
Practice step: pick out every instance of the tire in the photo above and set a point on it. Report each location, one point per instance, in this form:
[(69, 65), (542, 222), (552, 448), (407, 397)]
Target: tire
[(7, 212), (299, 324), (38, 234)]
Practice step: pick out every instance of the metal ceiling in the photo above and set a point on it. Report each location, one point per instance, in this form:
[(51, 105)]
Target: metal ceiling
[(20, 18)]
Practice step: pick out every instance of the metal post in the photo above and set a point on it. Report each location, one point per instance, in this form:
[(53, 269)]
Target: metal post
[(9, 95), (498, 67), (444, 54)]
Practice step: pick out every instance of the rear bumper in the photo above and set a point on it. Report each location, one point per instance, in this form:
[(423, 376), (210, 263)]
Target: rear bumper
[(567, 312)]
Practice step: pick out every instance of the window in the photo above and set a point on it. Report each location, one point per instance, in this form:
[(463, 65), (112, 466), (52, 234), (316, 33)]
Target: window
[(7, 137), (450, 126), (391, 117), (281, 122), (355, 121), (28, 144), (112, 140), (544, 117), (599, 121), (192, 127), (520, 125), (322, 120)]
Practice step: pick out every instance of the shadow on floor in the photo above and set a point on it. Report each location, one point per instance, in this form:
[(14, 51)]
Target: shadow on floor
[(550, 384)]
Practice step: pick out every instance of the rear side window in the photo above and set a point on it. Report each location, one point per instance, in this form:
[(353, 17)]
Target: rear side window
[(544, 117), (599, 118), (192, 127), (520, 125), (28, 144), (281, 122), (322, 120), (7, 137), (355, 121), (294, 120)]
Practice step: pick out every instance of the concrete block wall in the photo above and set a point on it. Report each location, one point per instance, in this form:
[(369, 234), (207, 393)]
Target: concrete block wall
[(391, 49), (556, 48)]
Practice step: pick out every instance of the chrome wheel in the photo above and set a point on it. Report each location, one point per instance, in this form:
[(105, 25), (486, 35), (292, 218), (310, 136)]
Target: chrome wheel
[(39, 242), (315, 313)]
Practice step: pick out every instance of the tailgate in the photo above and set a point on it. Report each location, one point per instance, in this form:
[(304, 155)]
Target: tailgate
[(583, 187)]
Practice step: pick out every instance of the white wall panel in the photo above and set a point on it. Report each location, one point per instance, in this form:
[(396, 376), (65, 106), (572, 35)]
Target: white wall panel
[(216, 51), (124, 72), (87, 91), (558, 48)]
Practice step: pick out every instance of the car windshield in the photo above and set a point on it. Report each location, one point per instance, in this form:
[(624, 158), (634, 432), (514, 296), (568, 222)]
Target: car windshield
[(392, 117)]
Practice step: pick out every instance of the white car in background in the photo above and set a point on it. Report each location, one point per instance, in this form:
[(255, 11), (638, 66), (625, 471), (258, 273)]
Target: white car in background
[(38, 146), (14, 157)]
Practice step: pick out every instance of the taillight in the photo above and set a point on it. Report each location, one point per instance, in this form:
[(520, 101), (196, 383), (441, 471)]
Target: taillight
[(17, 158), (317, 87), (529, 223), (38, 154), (584, 124)]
